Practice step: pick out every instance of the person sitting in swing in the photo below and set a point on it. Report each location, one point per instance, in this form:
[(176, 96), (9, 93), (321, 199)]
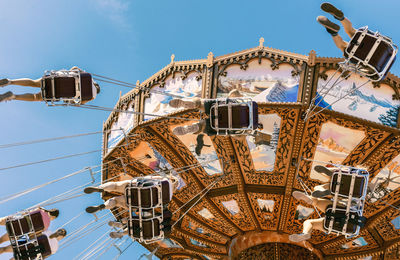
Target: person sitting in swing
[(58, 85), (310, 224), (48, 245), (331, 171), (120, 187), (372, 53), (40, 217), (239, 119), (151, 226), (322, 224)]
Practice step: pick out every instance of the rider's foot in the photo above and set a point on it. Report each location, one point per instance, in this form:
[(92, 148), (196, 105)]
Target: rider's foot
[(331, 27), (329, 8)]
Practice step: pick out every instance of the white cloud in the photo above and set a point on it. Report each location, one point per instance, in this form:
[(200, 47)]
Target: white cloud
[(115, 10)]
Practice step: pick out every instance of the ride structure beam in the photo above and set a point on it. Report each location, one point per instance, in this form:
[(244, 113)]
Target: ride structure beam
[(193, 176), (238, 175)]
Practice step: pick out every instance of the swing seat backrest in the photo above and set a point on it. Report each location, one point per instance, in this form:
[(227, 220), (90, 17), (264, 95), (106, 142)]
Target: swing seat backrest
[(373, 52), (353, 225), (22, 225), (30, 251), (65, 88), (150, 228), (360, 185), (149, 193), (240, 117)]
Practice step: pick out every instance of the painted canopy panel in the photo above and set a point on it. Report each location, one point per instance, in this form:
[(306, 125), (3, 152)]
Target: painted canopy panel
[(260, 81), (366, 101), (121, 126), (202, 148), (157, 103), (263, 146), (334, 145)]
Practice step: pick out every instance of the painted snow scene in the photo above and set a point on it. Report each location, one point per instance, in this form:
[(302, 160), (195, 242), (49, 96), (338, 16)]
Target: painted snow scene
[(263, 146), (121, 126), (386, 181), (374, 104), (334, 145), (202, 148), (260, 82), (176, 87), (153, 159)]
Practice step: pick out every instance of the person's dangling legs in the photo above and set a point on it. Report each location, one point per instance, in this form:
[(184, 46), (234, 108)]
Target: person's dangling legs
[(118, 201), (35, 83), (112, 186), (308, 226), (338, 14), (333, 30), (195, 128)]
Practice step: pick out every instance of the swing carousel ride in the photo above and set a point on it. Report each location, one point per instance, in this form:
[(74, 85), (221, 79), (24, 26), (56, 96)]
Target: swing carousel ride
[(297, 123), (234, 193)]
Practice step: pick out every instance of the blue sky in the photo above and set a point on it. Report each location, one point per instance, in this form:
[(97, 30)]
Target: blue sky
[(130, 41)]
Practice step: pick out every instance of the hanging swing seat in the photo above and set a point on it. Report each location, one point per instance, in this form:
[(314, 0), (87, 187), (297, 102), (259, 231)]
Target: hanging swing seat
[(22, 230), (148, 193), (25, 223), (67, 86), (341, 222), (369, 54), (347, 187), (231, 116), (151, 228), (34, 249)]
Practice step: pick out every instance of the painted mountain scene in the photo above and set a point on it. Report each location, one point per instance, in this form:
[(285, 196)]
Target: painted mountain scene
[(157, 103), (260, 82), (374, 104), (263, 146), (121, 126), (334, 145)]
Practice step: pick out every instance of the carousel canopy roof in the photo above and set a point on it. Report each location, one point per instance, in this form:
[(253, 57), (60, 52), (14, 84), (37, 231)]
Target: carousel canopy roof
[(248, 181)]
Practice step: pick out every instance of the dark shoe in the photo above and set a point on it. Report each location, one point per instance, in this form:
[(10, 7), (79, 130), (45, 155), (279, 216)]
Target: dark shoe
[(94, 209), (7, 96), (89, 190), (321, 193), (329, 8), (331, 27), (4, 82), (324, 170)]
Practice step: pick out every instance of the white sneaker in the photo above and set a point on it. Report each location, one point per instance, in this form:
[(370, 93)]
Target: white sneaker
[(302, 196), (299, 237)]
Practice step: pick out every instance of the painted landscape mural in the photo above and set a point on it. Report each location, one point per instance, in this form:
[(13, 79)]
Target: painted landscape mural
[(375, 104), (123, 125), (263, 146), (157, 103), (260, 82), (201, 147), (334, 145)]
